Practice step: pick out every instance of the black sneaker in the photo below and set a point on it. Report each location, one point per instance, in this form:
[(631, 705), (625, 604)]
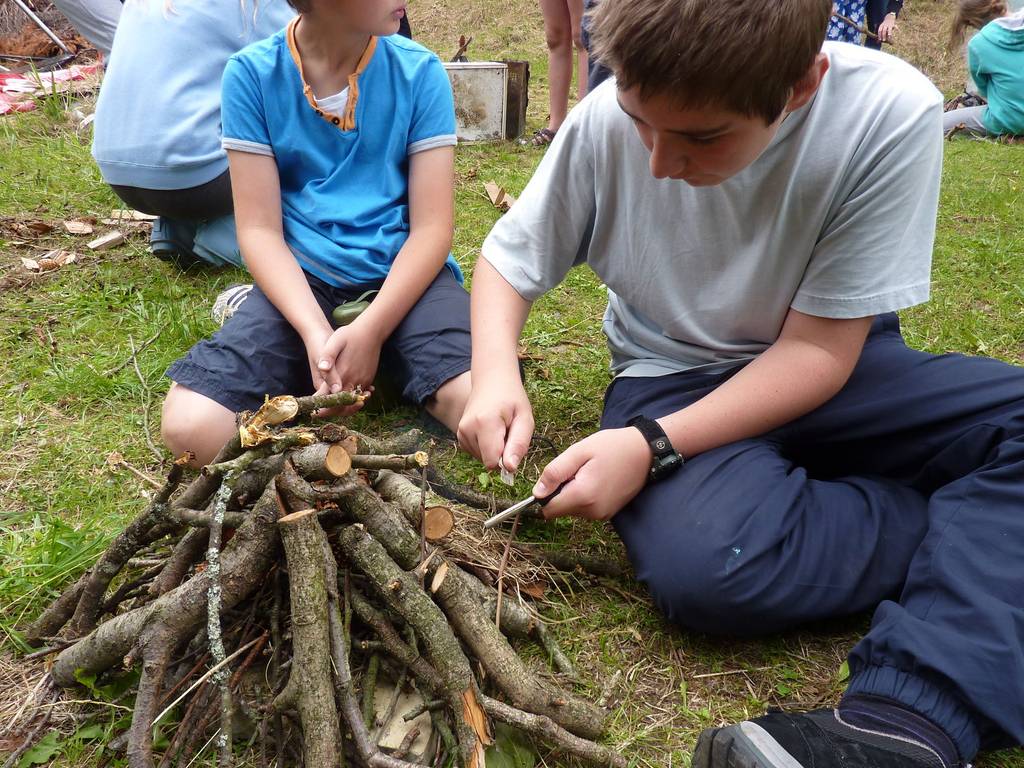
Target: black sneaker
[(818, 739)]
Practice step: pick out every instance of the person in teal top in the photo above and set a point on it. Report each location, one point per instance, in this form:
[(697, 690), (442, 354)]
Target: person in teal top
[(995, 60), (340, 139)]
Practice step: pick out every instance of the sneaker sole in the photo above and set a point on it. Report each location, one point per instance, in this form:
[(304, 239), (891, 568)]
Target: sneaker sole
[(745, 745)]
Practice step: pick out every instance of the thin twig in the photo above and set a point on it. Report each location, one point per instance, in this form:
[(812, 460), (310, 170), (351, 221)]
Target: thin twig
[(185, 678), (110, 704), (423, 521), (146, 400), (135, 352), (203, 679), (389, 713), (46, 683), (853, 24), (208, 742), (731, 672), (52, 649), (502, 567), (138, 473), (213, 629)]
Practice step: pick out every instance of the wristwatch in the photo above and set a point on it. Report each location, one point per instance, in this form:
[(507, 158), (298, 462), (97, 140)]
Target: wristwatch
[(664, 460)]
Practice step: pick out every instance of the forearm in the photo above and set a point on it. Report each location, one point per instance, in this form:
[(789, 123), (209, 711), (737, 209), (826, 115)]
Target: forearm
[(417, 264), (790, 379), (279, 276), (497, 316)]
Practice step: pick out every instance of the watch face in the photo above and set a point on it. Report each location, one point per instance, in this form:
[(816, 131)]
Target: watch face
[(665, 465)]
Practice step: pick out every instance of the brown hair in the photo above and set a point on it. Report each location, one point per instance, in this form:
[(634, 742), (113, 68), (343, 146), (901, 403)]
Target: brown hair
[(976, 14), (301, 6), (744, 55)]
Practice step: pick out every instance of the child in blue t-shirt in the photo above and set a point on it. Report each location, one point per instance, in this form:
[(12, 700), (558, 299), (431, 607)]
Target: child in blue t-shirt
[(340, 143)]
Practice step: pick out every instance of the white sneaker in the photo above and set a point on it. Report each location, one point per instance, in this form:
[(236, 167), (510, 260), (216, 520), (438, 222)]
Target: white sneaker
[(228, 301)]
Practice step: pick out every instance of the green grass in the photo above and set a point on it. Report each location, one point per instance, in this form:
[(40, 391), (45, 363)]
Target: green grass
[(62, 411)]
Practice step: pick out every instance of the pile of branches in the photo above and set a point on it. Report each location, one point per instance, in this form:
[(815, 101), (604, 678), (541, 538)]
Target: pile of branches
[(268, 600)]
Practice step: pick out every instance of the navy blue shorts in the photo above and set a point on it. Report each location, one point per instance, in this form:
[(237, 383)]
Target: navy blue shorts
[(258, 353)]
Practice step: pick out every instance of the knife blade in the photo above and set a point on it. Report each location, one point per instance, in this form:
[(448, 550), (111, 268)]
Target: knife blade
[(521, 505)]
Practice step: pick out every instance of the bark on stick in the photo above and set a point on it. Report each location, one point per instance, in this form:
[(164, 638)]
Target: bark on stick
[(310, 690)]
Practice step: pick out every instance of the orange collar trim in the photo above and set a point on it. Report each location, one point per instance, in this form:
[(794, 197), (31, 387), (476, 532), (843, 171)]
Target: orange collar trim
[(346, 122)]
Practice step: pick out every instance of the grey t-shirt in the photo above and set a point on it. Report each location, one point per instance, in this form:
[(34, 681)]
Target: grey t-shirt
[(835, 219)]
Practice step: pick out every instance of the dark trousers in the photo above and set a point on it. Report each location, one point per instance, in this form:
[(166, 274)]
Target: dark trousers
[(207, 201), (597, 72), (905, 492)]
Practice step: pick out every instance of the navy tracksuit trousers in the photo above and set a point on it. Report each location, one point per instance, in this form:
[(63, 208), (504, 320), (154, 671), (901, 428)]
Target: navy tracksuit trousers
[(905, 492)]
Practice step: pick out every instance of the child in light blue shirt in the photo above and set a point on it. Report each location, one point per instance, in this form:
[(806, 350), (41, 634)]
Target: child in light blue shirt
[(159, 147)]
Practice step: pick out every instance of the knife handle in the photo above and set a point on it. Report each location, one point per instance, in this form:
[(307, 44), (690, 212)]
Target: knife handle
[(543, 502)]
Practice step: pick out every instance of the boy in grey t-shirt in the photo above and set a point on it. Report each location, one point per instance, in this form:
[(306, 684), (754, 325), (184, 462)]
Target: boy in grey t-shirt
[(759, 205)]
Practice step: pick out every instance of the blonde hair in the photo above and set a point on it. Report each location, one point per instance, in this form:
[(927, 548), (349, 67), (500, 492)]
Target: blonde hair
[(743, 55), (975, 14)]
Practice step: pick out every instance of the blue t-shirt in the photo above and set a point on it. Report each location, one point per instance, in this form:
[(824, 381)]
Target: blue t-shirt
[(344, 193), (158, 114)]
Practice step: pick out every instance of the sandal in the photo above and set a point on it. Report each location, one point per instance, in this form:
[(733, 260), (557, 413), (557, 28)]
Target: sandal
[(543, 137)]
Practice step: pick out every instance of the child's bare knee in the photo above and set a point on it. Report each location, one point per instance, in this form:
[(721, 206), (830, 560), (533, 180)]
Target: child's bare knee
[(176, 423), (194, 422), (558, 38), (449, 402)]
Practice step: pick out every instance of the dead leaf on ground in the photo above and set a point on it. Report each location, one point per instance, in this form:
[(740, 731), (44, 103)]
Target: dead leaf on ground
[(535, 589), (499, 198), (51, 261), (78, 227)]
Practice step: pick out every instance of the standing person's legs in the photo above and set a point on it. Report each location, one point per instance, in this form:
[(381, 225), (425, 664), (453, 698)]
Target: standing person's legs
[(576, 21), (558, 32), (597, 73)]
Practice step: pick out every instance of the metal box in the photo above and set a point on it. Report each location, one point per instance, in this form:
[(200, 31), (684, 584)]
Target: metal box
[(481, 94)]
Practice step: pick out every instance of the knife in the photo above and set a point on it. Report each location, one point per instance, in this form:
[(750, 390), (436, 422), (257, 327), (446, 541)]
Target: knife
[(511, 511)]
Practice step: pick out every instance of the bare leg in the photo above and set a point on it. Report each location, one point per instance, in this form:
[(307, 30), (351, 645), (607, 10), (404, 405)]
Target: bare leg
[(194, 422), (576, 19), (449, 401), (558, 34)]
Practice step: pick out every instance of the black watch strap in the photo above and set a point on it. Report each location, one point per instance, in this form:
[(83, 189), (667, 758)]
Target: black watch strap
[(665, 459)]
